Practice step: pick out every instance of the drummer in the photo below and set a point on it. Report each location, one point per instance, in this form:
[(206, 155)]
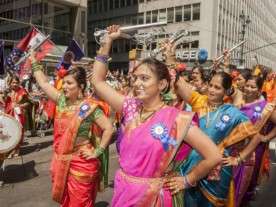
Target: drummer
[(16, 100)]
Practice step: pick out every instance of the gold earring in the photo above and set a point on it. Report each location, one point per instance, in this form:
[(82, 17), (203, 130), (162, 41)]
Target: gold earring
[(80, 96)]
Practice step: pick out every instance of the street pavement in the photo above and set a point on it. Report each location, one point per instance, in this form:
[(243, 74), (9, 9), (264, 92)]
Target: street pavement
[(29, 185)]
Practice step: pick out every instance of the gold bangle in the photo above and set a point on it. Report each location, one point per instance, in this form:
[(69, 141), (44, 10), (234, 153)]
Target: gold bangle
[(239, 159), (36, 67)]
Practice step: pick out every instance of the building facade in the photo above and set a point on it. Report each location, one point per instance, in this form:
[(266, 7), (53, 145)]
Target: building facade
[(213, 25), (63, 20)]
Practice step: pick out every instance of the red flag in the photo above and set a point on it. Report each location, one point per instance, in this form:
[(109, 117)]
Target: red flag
[(34, 40)]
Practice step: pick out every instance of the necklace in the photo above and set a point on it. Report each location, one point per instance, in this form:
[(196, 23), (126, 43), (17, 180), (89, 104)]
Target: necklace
[(211, 108), (146, 114)]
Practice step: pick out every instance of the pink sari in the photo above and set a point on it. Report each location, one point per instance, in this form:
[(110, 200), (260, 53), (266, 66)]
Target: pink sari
[(145, 159)]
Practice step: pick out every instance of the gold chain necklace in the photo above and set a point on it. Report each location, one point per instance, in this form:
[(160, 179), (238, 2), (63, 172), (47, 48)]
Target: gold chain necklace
[(209, 110), (148, 114)]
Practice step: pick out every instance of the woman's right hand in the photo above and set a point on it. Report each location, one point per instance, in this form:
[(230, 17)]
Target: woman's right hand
[(88, 154), (174, 184), (114, 33), (32, 55), (230, 161)]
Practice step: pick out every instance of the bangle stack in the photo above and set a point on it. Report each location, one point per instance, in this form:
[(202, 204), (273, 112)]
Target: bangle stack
[(99, 151), (103, 59), (239, 159), (187, 183), (36, 67)]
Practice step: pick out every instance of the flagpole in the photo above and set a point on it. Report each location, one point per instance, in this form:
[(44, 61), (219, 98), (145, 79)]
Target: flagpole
[(28, 54)]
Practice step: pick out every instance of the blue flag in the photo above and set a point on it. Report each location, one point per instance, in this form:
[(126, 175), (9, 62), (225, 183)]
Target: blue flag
[(2, 69), (72, 53)]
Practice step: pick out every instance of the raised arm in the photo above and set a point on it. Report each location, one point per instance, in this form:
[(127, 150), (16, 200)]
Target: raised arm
[(182, 88), (42, 79), (102, 89)]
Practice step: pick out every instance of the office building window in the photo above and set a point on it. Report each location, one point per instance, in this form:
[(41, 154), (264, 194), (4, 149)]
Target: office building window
[(148, 17), (117, 4), (194, 33), (127, 45), (196, 11), (127, 20), (135, 2), (141, 18), (115, 47), (195, 44), (100, 6), (170, 15), (128, 2), (110, 4), (186, 45), (95, 6), (122, 3), (187, 12), (178, 14), (154, 16), (141, 1), (105, 5), (162, 15), (134, 20)]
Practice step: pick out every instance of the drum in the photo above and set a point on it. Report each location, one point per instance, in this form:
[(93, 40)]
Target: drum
[(10, 133)]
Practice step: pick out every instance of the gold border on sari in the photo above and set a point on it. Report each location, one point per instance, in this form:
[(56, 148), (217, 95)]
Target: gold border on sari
[(83, 177)]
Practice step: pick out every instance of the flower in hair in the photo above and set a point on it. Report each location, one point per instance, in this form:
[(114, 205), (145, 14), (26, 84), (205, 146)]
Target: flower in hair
[(62, 72)]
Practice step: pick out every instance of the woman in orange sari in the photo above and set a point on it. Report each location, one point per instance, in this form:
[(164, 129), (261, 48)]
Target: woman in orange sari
[(75, 166)]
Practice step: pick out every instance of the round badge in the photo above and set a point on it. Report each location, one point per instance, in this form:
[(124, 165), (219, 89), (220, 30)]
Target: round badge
[(159, 130), (225, 118), (84, 107), (258, 109)]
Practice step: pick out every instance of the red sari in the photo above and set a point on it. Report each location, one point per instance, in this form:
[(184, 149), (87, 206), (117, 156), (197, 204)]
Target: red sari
[(17, 98), (74, 179)]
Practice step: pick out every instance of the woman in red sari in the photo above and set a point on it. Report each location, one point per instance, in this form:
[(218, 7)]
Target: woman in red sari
[(75, 166), (16, 102)]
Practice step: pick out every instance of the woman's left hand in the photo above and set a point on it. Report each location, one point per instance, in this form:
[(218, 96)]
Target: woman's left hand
[(88, 154), (230, 161), (174, 184)]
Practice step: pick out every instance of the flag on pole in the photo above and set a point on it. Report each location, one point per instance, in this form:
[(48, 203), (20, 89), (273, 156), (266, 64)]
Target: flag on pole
[(2, 69), (72, 53), (33, 40)]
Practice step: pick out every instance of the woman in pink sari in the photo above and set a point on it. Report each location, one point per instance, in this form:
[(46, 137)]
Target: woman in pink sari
[(75, 165), (155, 137)]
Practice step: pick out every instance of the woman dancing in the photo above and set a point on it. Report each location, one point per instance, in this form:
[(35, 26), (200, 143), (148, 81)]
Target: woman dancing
[(154, 136), (248, 166), (75, 165)]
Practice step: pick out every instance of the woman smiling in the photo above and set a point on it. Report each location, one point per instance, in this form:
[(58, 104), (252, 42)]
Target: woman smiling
[(155, 137)]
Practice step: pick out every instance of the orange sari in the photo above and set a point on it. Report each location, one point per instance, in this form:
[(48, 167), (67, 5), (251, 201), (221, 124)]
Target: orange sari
[(74, 179)]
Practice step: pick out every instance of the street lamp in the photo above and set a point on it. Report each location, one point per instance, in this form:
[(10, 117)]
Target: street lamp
[(245, 21)]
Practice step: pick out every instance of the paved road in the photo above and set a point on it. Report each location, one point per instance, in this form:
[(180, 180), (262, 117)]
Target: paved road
[(32, 188), (29, 185)]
